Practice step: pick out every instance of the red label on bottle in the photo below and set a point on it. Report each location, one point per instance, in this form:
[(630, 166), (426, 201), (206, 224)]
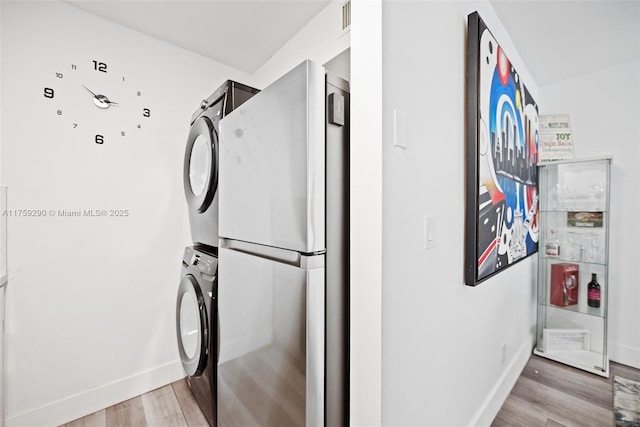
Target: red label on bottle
[(594, 294)]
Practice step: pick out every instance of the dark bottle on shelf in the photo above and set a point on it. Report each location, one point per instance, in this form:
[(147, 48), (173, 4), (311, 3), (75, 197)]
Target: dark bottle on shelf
[(593, 292)]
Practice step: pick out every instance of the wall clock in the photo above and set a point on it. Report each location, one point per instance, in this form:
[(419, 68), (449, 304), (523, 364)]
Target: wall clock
[(96, 100)]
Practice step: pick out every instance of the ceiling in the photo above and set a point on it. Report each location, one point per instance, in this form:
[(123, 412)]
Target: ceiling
[(562, 39), (241, 33), (556, 39)]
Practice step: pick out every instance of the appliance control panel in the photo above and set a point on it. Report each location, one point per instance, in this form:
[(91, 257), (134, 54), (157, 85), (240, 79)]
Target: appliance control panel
[(204, 262)]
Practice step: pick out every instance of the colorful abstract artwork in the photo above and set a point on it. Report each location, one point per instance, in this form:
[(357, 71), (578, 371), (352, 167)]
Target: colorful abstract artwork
[(502, 152)]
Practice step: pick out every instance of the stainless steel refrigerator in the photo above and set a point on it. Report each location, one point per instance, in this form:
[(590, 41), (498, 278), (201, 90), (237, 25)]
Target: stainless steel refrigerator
[(283, 259)]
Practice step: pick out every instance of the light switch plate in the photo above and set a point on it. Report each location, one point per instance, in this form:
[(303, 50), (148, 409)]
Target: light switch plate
[(429, 232), (400, 134)]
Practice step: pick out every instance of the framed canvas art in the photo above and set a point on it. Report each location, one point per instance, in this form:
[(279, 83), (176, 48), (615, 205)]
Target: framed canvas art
[(501, 224)]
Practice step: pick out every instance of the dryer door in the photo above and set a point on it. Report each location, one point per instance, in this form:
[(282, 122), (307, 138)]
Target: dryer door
[(200, 172), (192, 326)]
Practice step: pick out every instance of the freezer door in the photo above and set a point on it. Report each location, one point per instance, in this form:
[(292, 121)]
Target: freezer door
[(272, 164), (270, 366)]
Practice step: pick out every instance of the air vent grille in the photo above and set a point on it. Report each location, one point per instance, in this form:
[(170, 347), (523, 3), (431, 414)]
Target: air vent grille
[(346, 15)]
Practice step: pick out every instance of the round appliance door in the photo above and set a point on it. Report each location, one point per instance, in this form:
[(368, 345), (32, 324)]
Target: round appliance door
[(192, 326), (200, 173)]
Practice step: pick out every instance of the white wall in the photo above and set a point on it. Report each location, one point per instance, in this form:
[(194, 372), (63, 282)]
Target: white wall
[(91, 301), (442, 342), (604, 107), (366, 262), (320, 41)]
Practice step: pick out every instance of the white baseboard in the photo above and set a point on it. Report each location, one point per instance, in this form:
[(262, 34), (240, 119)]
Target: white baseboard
[(624, 354), (499, 393), (90, 401)]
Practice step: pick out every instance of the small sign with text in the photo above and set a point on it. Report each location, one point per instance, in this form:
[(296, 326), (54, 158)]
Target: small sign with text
[(555, 139)]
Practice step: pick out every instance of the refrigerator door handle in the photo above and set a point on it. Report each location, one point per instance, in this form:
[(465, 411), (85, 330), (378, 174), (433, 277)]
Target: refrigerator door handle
[(315, 347), (284, 256)]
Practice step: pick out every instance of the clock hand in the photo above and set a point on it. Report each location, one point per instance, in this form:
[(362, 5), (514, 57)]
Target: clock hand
[(89, 90), (104, 100), (101, 101)]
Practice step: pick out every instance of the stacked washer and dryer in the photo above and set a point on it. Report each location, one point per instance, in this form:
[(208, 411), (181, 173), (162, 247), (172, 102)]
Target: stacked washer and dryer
[(275, 351), (196, 307)]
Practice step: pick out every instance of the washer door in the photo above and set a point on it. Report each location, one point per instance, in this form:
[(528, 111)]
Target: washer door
[(192, 326), (200, 173)]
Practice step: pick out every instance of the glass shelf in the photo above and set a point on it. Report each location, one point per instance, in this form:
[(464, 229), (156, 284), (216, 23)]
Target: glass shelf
[(587, 311), (573, 245), (559, 259)]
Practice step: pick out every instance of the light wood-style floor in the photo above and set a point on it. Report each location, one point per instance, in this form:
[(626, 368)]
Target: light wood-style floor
[(547, 394), (550, 394), (172, 406)]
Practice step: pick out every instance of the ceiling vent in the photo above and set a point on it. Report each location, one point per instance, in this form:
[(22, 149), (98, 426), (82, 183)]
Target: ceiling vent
[(346, 15)]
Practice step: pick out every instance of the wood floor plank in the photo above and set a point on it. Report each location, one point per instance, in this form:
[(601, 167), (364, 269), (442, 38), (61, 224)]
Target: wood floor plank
[(161, 408), (516, 412), (128, 413), (554, 423), (624, 371), (560, 406), (97, 419), (190, 409), (572, 381)]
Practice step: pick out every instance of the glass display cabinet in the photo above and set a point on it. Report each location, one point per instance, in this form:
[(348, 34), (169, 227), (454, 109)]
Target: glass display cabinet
[(573, 257)]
